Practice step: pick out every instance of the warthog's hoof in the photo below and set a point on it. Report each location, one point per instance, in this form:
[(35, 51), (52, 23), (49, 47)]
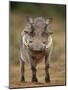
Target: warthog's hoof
[(47, 79), (22, 79), (34, 79)]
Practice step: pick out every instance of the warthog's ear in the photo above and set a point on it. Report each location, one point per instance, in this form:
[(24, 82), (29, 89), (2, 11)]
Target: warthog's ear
[(48, 21), (29, 19)]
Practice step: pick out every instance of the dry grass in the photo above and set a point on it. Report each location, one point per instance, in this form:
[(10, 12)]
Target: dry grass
[(57, 64)]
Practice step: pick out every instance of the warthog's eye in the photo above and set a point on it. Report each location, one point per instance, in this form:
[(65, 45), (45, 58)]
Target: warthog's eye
[(32, 34), (44, 34), (26, 32)]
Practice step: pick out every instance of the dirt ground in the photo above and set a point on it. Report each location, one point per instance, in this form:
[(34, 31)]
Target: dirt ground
[(57, 74)]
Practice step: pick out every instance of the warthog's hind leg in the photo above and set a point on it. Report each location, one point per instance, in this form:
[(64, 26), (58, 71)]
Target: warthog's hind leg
[(47, 77), (22, 78)]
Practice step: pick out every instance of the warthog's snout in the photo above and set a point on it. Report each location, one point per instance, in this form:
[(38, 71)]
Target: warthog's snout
[(36, 46)]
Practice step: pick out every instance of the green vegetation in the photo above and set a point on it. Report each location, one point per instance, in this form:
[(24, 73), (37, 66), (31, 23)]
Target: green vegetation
[(34, 9)]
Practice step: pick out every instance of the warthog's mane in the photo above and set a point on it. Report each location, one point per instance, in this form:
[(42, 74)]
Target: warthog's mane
[(39, 21)]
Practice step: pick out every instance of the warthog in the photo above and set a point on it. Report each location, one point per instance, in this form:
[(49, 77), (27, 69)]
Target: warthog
[(36, 45)]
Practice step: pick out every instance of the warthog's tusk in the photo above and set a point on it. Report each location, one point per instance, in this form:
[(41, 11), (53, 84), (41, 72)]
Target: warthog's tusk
[(49, 42), (24, 42)]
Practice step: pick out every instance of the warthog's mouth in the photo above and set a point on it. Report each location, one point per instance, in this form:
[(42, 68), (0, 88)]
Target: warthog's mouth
[(37, 51), (37, 55)]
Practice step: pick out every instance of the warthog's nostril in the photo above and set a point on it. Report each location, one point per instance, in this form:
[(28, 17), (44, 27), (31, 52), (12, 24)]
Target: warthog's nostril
[(44, 42), (30, 41)]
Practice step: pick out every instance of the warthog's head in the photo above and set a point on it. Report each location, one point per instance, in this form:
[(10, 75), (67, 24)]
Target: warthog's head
[(37, 33)]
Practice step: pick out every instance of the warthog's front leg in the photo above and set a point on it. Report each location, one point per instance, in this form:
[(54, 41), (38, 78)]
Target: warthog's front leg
[(34, 78), (47, 77), (22, 71), (33, 68)]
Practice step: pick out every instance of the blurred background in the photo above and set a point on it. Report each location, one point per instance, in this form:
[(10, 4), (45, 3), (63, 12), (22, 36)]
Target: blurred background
[(17, 21)]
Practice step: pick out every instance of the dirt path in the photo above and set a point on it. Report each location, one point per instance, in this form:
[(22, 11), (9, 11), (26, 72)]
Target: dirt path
[(57, 74)]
